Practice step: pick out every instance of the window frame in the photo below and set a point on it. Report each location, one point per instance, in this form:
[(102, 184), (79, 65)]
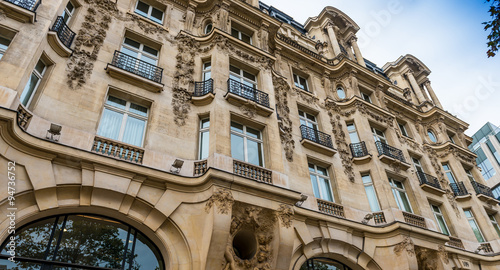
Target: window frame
[(140, 51), (378, 137), (297, 83), (304, 120), (417, 164), (240, 35), (429, 133), (366, 97), (39, 76), (206, 70), (440, 214), (402, 128), (203, 131), (68, 12), (319, 176), (205, 29), (395, 188), (494, 223), (246, 137), (450, 170), (150, 11), (241, 76), (472, 218), (366, 185), (353, 131)]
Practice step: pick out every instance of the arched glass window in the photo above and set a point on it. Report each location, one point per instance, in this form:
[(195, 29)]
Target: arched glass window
[(341, 92), (208, 28), (323, 264), (432, 136), (79, 241)]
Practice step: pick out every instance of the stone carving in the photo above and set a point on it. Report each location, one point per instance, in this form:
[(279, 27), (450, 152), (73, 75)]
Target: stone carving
[(2, 14), (189, 19), (223, 17), (281, 90), (264, 37), (443, 254), (248, 110), (406, 244), (285, 214), (223, 199), (426, 259), (148, 28)]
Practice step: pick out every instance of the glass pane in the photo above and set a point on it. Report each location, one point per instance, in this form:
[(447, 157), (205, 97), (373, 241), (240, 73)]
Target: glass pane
[(246, 38), (253, 133), (116, 102), (17, 265), (207, 75), (354, 137), (442, 225), (110, 124), (405, 202), (150, 50), (148, 59), (237, 127), (207, 65), (399, 184), (132, 43), (435, 209), (326, 189), (468, 213), (311, 117), (144, 257), (237, 147), (351, 127), (296, 79), (450, 177), (234, 69), (249, 76), (70, 7), (303, 82), (208, 28), (234, 77), (142, 8), (235, 33), (4, 43), (314, 183), (29, 89), (134, 130), (432, 136), (254, 153), (311, 167), (138, 109), (157, 15), (40, 67), (205, 123), (130, 52), (446, 167), (341, 93), (476, 230), (321, 171), (366, 179), (372, 198), (205, 140)]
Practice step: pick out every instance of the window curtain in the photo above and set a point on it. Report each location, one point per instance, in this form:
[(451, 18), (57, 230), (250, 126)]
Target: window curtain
[(110, 124), (134, 130)]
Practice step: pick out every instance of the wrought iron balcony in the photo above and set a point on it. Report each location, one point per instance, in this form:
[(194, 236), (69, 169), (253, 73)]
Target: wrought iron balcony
[(137, 66), (393, 152), (459, 189), (358, 149), (203, 88), (316, 136), (482, 189), (63, 31), (248, 92), (30, 5), (427, 179)]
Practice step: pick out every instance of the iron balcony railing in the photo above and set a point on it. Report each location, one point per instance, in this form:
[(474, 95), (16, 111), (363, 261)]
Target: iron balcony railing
[(459, 189), (393, 152), (482, 189), (31, 5), (203, 88), (427, 179), (63, 31), (137, 66), (358, 149), (245, 91), (316, 136)]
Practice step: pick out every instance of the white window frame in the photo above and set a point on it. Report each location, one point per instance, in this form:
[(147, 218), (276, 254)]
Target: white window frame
[(402, 128), (296, 82), (437, 214), (494, 223), (373, 208), (304, 120), (245, 140), (418, 166), (378, 137), (68, 12), (353, 131), (472, 218), (470, 175), (394, 189), (317, 175), (366, 97), (125, 112), (240, 34), (140, 51), (150, 10), (203, 131), (207, 70), (454, 179), (242, 78), (39, 75)]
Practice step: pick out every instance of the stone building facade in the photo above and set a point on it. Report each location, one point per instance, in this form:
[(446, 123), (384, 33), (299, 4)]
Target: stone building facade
[(222, 134)]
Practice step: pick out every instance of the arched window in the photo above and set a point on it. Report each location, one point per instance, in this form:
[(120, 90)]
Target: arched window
[(323, 264), (432, 136), (341, 92), (208, 28), (79, 241)]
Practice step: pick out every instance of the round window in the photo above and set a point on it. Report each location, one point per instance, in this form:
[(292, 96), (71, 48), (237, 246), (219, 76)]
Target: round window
[(340, 92), (432, 136), (208, 28)]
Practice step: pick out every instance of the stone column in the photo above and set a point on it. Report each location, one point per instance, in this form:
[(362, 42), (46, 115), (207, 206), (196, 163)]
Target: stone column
[(264, 36), (224, 16), (357, 51), (190, 14), (427, 85), (416, 88), (333, 39)]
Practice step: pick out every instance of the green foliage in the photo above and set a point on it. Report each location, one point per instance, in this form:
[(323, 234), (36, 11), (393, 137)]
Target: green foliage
[(494, 26)]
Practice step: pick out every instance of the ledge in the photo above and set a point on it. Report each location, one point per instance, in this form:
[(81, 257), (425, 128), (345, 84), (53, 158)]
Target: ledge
[(463, 197), (203, 100), (239, 101), (433, 190), (56, 44), (318, 147), (487, 199), (18, 13), (389, 160), (362, 160), (133, 79)]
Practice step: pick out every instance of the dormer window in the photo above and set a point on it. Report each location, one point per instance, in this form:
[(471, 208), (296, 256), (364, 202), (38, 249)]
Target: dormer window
[(149, 12)]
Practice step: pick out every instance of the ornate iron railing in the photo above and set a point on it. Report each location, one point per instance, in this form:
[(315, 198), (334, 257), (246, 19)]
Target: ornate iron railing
[(200, 167), (482, 189), (31, 5), (316, 136), (247, 92), (393, 152), (253, 172), (359, 149), (459, 189), (23, 117), (379, 218), (455, 242), (203, 88), (427, 179), (118, 150), (137, 66), (64, 33), (331, 208), (414, 220)]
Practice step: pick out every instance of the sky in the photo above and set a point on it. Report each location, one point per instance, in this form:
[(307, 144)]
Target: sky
[(446, 35)]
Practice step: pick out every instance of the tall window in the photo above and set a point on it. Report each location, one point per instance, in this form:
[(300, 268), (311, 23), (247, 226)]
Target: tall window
[(353, 134), (308, 120), (484, 163), (68, 12), (204, 138), (149, 12), (378, 135), (241, 35), (207, 70), (242, 76), (123, 121), (449, 173), (470, 176), (494, 223), (417, 165), (366, 97), (4, 44), (140, 51), (300, 82), (438, 215), (321, 182), (33, 83), (399, 192), (474, 226), (402, 128), (246, 144), (370, 192)]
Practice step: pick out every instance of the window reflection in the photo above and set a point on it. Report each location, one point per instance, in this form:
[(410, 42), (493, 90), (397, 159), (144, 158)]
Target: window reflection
[(323, 264)]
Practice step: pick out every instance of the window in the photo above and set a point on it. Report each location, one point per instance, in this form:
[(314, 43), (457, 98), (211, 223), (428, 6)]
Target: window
[(484, 163), (320, 182), (440, 219), (496, 192), (308, 120), (432, 137), (81, 241), (242, 76), (33, 83), (140, 51), (246, 144), (378, 135), (353, 134), (341, 92), (469, 174), (207, 70), (149, 12), (370, 192), (450, 137), (449, 173), (473, 224), (402, 128), (68, 12), (323, 263), (300, 82), (399, 192), (417, 165), (366, 97), (241, 36), (494, 223), (208, 28), (4, 44), (204, 138), (123, 121)]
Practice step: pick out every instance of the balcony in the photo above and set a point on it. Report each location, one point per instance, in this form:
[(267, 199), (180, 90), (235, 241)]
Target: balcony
[(456, 242), (484, 193), (430, 183), (240, 94), (317, 141), (459, 191), (253, 172), (61, 37), (203, 92), (200, 167), (414, 220), (135, 71), (21, 10), (379, 218), (117, 150), (391, 155), (331, 208), (23, 117), (360, 153)]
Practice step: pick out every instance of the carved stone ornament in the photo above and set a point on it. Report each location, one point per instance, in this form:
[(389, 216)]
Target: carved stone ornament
[(285, 213), (406, 244), (281, 90), (223, 199), (443, 254), (2, 14), (248, 110), (427, 259)]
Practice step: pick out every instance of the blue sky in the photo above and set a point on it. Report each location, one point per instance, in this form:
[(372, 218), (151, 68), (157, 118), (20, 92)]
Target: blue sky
[(446, 35)]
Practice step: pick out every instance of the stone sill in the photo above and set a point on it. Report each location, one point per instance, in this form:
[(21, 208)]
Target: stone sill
[(134, 79), (239, 101), (56, 44), (487, 199), (463, 197), (362, 160), (203, 100), (389, 160), (18, 13), (318, 147), (433, 190)]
